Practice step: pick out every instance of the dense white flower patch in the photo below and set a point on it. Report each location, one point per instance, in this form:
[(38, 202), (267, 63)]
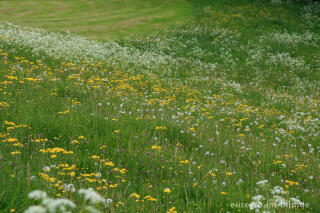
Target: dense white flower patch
[(292, 39), (48, 204), (64, 205), (91, 196), (75, 48)]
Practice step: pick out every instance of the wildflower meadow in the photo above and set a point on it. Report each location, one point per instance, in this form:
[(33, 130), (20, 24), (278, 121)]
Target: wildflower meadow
[(217, 113)]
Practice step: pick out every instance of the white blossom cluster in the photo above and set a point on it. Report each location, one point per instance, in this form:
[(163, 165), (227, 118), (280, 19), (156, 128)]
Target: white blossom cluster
[(273, 202), (75, 48), (49, 204), (64, 205), (292, 39)]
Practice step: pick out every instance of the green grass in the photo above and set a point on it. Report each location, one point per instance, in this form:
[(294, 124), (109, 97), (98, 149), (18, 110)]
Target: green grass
[(207, 109), (98, 19)]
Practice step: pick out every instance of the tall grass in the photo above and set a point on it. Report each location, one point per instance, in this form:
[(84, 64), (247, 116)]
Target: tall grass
[(217, 115)]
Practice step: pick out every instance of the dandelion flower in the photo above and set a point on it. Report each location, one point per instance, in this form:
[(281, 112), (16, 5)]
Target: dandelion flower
[(15, 153), (109, 163), (167, 190), (108, 201), (184, 161), (135, 195), (172, 210)]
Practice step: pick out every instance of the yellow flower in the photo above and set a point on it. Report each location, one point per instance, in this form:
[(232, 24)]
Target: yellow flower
[(109, 163), (12, 210), (184, 161), (11, 140), (292, 183), (211, 174), (148, 197), (116, 131), (15, 153), (172, 210), (229, 173), (167, 190), (95, 157), (123, 171), (155, 147), (53, 156), (75, 141), (135, 195), (4, 104), (223, 193), (161, 128), (113, 185)]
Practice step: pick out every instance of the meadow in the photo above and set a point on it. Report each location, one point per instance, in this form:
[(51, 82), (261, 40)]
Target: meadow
[(97, 19), (216, 113)]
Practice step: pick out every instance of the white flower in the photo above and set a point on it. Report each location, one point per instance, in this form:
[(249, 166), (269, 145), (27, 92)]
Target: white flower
[(37, 194), (91, 196), (36, 209), (257, 198), (280, 201), (239, 181), (255, 205), (262, 183), (297, 201), (60, 205), (92, 209), (46, 169), (109, 201), (69, 188), (277, 190)]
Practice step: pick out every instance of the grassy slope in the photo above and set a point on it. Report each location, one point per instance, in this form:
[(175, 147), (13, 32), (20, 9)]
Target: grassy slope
[(229, 134), (99, 19)]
